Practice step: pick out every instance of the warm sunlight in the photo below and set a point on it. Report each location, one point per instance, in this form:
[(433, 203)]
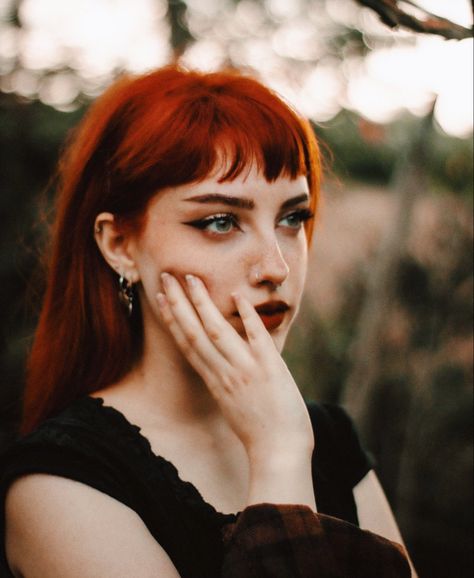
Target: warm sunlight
[(97, 38)]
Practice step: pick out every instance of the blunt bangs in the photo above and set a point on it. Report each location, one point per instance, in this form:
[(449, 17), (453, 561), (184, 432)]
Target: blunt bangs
[(191, 125)]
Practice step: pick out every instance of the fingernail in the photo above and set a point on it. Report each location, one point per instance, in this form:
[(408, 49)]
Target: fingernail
[(165, 279), (236, 296), (161, 298), (191, 280)]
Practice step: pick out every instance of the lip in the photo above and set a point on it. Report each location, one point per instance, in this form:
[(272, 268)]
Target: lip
[(272, 313), (272, 308)]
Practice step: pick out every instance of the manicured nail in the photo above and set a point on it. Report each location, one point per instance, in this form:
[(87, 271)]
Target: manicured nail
[(191, 280), (161, 298), (236, 296), (165, 279)]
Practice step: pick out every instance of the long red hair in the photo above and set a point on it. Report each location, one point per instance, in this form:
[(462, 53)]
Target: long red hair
[(167, 128)]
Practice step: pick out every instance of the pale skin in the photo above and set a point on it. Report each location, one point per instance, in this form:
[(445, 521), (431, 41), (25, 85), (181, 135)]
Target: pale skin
[(240, 429)]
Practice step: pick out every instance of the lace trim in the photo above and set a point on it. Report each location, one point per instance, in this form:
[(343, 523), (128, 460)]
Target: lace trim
[(186, 492)]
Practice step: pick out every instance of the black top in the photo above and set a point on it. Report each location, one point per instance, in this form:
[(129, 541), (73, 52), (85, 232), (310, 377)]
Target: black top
[(96, 445)]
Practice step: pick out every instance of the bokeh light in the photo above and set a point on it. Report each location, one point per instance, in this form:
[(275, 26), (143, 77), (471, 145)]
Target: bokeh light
[(288, 44)]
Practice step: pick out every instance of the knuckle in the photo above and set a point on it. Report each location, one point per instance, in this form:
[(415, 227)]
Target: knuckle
[(167, 316), (227, 383), (198, 300), (192, 338), (214, 333), (185, 346), (172, 301), (245, 317), (251, 333)]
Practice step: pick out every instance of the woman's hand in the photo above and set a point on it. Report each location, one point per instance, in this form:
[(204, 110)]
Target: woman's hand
[(249, 379)]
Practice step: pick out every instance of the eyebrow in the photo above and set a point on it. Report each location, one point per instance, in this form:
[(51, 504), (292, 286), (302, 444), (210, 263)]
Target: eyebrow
[(304, 197), (241, 202)]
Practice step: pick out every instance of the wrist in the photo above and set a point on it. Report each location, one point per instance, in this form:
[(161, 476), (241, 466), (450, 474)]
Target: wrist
[(276, 458), (282, 479)]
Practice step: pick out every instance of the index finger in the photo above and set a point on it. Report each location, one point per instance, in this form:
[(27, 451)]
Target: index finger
[(257, 334), (224, 337)]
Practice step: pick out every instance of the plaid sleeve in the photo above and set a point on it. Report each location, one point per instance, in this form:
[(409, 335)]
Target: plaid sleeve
[(291, 541)]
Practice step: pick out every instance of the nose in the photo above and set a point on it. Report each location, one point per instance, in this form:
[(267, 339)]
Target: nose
[(269, 267)]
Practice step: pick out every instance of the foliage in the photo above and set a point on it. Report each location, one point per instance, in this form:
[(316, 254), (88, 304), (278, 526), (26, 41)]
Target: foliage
[(394, 14), (361, 150)]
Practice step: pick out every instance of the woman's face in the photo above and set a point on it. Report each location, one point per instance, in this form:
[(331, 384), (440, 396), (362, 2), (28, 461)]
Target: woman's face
[(245, 235)]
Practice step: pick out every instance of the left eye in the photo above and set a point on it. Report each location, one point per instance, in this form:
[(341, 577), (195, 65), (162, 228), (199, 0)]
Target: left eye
[(221, 225), (217, 224), (296, 219)]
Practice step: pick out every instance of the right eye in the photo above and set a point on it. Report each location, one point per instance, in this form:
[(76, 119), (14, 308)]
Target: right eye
[(221, 224)]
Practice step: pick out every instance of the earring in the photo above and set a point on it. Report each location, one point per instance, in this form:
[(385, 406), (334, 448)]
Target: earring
[(126, 294)]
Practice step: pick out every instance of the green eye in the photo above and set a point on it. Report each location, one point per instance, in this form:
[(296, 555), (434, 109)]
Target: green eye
[(296, 219), (221, 224)]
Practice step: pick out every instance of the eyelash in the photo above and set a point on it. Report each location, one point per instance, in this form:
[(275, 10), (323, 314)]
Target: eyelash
[(302, 215)]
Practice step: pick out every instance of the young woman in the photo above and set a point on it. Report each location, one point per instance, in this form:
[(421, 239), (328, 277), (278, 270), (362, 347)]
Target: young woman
[(165, 435)]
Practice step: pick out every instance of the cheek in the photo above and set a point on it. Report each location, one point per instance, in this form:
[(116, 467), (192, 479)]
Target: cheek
[(219, 287), (299, 263), (218, 282)]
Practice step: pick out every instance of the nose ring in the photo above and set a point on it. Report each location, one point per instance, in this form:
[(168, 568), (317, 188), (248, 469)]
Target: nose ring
[(259, 278)]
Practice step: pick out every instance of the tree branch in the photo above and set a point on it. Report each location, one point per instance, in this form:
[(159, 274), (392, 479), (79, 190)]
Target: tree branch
[(394, 16)]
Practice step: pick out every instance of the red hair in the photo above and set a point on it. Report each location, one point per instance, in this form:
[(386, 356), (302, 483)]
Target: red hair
[(167, 128)]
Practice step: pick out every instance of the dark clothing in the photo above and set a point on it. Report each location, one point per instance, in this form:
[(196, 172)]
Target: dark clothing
[(96, 445), (278, 541)]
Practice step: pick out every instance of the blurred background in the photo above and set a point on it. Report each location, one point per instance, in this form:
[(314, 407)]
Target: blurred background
[(386, 326)]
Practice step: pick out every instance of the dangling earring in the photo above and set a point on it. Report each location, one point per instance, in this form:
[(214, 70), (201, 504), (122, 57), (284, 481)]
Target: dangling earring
[(126, 294)]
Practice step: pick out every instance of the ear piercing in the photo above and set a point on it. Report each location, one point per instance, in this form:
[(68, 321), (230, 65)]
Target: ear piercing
[(125, 293)]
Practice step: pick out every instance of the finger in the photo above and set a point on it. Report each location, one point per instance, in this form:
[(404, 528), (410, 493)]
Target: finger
[(257, 334), (224, 337), (180, 338), (191, 332), (220, 383)]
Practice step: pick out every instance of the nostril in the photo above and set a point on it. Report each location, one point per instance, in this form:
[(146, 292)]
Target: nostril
[(270, 267)]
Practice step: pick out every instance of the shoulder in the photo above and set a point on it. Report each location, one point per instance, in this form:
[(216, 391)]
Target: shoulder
[(70, 426), (83, 427), (78, 444), (58, 527), (339, 451), (71, 482)]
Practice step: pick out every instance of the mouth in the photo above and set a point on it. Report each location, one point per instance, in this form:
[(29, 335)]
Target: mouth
[(272, 313)]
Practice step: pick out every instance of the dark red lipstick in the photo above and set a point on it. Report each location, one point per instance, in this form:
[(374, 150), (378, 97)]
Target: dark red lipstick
[(272, 313)]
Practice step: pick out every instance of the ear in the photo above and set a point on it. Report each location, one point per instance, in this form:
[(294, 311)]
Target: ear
[(113, 245)]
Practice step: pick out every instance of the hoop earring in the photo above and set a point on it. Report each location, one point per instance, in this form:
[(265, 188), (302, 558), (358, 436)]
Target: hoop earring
[(126, 294)]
